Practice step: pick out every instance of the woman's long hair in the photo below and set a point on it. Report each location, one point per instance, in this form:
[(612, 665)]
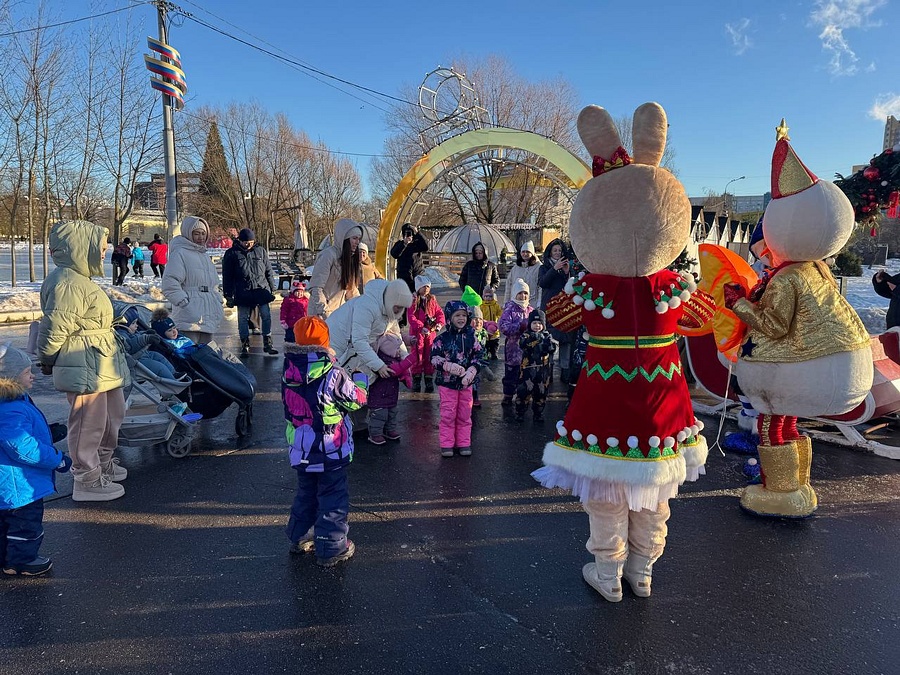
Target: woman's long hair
[(351, 269), (521, 262)]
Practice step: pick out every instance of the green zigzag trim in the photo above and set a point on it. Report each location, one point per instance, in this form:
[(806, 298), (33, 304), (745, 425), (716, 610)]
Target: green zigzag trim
[(659, 370)]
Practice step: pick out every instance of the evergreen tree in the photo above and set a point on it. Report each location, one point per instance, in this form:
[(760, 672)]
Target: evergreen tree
[(218, 201)]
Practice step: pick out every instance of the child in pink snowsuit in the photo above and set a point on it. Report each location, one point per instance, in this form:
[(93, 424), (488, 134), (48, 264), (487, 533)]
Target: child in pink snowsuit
[(456, 355), (293, 308), (425, 321)]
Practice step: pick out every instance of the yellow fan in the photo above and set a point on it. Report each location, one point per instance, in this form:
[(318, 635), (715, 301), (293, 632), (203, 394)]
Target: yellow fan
[(720, 266)]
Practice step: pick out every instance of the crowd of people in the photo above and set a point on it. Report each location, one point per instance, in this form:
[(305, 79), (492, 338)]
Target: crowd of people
[(347, 319)]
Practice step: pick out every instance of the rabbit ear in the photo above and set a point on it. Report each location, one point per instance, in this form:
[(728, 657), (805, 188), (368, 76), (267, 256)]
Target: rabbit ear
[(648, 131), (598, 132)]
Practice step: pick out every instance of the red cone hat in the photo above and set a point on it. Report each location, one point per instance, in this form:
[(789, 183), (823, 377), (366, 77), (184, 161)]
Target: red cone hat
[(789, 174)]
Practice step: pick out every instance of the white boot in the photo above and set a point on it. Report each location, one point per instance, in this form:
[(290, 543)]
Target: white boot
[(115, 471), (605, 577), (100, 490), (638, 570)]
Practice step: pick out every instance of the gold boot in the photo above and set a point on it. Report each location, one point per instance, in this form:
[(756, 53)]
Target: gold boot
[(780, 494), (804, 450)]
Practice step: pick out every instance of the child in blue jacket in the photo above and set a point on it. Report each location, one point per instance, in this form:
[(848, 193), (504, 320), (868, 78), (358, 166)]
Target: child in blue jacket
[(27, 462)]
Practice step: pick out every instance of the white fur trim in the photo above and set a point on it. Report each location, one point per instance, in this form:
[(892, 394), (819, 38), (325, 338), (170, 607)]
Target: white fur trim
[(675, 302), (685, 296), (695, 459), (638, 497), (616, 470), (689, 280)]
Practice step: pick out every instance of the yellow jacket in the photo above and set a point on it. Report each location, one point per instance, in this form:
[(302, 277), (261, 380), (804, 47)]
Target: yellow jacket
[(801, 316), (491, 310)]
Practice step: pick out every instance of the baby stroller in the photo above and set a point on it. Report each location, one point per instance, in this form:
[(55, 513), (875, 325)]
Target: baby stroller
[(153, 412), (218, 380)]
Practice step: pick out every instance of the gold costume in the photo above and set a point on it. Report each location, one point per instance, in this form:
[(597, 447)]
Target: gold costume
[(801, 316)]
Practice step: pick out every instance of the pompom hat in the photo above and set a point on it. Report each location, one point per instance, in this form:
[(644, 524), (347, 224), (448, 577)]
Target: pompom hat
[(311, 331), (12, 361)]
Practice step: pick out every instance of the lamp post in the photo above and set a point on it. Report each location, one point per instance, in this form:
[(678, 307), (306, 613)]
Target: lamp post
[(726, 191)]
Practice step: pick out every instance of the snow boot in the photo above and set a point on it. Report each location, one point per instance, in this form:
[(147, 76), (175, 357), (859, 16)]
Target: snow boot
[(417, 383), (245, 347), (637, 572), (99, 490), (35, 568), (429, 384), (605, 578), (267, 346)]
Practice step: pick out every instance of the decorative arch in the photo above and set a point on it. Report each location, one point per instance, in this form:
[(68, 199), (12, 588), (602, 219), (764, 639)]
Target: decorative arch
[(456, 150)]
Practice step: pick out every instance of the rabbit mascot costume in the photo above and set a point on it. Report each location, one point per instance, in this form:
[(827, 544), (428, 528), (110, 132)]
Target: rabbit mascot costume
[(629, 437), (806, 352)]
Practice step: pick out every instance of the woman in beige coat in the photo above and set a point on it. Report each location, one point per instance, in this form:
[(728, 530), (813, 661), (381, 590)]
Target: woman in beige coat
[(336, 273), (76, 343)]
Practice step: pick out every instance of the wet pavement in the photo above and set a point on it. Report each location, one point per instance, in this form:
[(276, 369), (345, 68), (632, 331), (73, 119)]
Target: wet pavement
[(462, 565)]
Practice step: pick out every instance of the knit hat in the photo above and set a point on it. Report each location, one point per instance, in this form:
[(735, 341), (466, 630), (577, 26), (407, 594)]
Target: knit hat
[(161, 322), (487, 289), (537, 315), (476, 313), (454, 306), (312, 331), (246, 235), (298, 285), (421, 281), (397, 294), (519, 285), (349, 227), (470, 297), (363, 247), (12, 361), (527, 246), (131, 315), (407, 230)]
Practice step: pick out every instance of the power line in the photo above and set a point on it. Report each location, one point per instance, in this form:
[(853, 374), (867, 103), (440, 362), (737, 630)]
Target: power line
[(66, 23)]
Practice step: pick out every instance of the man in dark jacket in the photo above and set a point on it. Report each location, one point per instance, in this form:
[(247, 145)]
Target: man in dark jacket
[(408, 254), (120, 256), (888, 286), (479, 271), (247, 282)]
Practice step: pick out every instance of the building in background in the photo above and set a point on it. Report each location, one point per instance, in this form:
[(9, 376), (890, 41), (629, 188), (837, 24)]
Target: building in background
[(891, 132)]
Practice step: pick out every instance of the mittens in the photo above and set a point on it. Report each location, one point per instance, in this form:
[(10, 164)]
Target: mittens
[(65, 464), (469, 376), (733, 293), (58, 431)]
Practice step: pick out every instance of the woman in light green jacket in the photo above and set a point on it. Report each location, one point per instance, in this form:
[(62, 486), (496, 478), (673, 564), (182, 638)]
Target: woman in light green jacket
[(77, 344)]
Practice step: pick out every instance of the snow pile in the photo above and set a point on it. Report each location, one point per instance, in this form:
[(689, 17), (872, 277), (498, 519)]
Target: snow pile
[(441, 278)]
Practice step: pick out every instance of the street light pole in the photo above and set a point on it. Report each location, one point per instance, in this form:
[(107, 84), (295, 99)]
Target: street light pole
[(726, 191)]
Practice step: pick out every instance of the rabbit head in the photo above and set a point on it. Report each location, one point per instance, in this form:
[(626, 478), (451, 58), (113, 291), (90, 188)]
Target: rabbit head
[(633, 220)]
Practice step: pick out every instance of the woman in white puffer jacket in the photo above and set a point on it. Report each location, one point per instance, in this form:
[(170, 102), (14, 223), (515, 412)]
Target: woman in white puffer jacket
[(191, 283)]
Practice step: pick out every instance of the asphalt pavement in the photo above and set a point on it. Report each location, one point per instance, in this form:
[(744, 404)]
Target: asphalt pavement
[(463, 565)]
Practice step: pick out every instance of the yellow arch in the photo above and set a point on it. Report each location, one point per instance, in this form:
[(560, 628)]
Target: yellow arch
[(460, 148)]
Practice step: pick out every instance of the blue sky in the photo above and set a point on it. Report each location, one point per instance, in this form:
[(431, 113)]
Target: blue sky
[(726, 72)]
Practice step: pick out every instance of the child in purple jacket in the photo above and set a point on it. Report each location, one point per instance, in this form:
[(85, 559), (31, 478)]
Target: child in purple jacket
[(384, 393), (514, 322), (317, 395)]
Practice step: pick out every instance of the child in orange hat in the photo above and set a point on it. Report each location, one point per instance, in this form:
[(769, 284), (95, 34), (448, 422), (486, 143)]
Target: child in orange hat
[(318, 395)]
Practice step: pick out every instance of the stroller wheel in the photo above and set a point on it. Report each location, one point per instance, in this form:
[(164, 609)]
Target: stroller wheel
[(179, 443), (242, 423)]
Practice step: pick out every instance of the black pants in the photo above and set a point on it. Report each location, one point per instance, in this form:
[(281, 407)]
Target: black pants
[(158, 269), (533, 389), (21, 533), (120, 269), (138, 268)]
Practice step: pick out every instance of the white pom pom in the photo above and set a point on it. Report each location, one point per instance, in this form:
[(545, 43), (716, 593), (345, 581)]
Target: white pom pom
[(661, 307), (669, 442), (561, 430), (576, 435), (589, 305), (591, 439), (569, 287), (675, 302), (694, 430), (591, 289), (680, 437), (654, 441), (608, 313), (612, 442), (700, 425), (752, 461), (689, 280), (578, 300), (633, 441), (586, 335), (581, 275), (685, 296), (671, 285)]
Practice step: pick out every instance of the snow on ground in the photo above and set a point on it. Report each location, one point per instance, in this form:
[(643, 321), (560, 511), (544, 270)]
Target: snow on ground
[(26, 297)]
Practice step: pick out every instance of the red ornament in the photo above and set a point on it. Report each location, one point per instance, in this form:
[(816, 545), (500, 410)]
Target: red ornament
[(871, 173), (889, 151), (894, 205), (872, 232)]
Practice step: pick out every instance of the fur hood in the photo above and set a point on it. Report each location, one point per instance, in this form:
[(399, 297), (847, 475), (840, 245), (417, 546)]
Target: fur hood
[(10, 390), (294, 348)]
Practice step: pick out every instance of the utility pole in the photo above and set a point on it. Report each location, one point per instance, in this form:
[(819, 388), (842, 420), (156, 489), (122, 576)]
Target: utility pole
[(168, 134)]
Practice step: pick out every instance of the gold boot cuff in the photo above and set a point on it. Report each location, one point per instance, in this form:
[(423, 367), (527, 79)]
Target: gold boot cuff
[(780, 467)]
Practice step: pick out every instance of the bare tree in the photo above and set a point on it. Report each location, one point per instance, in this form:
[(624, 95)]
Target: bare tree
[(129, 137)]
